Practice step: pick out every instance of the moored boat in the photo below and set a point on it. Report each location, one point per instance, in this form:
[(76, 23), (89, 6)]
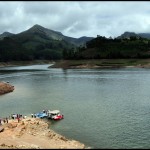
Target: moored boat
[(40, 115), (55, 115)]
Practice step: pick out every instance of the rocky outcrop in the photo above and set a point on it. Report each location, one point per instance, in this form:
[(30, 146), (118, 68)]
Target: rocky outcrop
[(34, 133), (5, 88)]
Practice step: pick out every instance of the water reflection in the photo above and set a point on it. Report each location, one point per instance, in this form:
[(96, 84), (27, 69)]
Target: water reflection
[(65, 72)]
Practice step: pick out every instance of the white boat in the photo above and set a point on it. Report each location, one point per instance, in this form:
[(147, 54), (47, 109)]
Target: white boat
[(55, 115)]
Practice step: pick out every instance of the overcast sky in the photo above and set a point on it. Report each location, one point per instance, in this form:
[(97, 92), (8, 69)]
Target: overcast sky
[(75, 18)]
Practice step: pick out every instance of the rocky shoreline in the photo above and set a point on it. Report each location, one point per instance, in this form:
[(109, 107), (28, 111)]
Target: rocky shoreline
[(5, 88), (33, 133)]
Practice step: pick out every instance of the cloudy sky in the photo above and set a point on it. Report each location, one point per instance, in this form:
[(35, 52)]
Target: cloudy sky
[(75, 18)]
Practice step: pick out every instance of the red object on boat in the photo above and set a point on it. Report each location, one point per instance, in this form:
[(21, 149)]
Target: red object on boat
[(58, 117)]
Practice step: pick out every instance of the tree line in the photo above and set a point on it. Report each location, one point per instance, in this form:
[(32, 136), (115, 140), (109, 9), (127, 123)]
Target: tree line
[(102, 47), (97, 48)]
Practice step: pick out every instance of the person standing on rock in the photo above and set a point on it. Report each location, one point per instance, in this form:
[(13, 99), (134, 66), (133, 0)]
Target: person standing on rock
[(18, 119), (6, 120)]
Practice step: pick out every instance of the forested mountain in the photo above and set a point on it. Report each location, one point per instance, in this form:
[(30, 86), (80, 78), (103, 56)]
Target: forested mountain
[(36, 43), (51, 34)]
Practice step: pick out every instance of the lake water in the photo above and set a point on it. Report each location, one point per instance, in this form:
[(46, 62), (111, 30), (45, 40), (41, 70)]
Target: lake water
[(103, 108)]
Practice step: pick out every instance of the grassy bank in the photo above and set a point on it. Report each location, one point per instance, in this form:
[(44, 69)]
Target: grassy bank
[(102, 63)]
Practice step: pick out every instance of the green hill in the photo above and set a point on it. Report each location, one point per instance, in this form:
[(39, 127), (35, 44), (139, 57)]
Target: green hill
[(37, 43)]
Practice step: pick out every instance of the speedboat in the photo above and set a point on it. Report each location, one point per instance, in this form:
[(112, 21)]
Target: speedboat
[(58, 117)]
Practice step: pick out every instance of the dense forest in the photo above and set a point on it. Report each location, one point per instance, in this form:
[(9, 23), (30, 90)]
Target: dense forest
[(102, 47), (11, 49)]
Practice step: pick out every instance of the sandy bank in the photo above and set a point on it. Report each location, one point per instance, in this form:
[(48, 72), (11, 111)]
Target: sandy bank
[(5, 88), (33, 133)]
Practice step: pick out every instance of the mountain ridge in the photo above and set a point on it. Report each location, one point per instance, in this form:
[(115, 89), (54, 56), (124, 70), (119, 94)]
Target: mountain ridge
[(55, 35), (37, 42)]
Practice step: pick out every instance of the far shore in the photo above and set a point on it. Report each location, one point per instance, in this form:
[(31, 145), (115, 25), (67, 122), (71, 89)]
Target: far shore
[(76, 64), (84, 64), (102, 63)]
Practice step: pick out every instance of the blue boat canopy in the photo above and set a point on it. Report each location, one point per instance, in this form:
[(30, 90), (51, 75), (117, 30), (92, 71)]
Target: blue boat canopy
[(41, 115)]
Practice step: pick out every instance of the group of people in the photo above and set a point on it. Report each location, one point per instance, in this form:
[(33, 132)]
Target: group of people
[(12, 116), (33, 115), (17, 116)]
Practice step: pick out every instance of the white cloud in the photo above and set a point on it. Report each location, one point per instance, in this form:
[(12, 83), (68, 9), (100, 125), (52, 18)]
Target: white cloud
[(76, 19)]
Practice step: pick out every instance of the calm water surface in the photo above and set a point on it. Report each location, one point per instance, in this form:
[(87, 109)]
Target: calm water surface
[(103, 108)]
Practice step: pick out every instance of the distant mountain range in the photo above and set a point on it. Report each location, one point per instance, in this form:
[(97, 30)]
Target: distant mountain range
[(45, 33), (55, 35)]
